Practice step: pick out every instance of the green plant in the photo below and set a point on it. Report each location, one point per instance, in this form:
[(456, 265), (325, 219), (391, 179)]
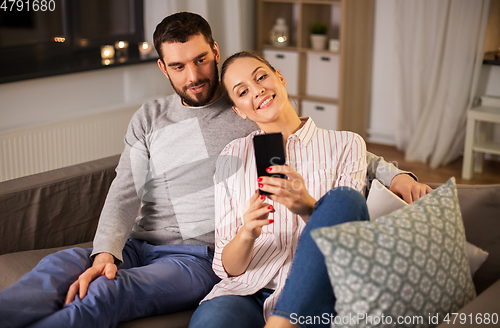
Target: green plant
[(318, 28)]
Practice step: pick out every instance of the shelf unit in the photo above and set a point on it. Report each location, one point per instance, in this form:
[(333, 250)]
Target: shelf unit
[(347, 72), (478, 138)]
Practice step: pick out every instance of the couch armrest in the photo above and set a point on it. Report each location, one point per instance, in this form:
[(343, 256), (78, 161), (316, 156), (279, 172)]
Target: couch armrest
[(54, 208), (486, 303)]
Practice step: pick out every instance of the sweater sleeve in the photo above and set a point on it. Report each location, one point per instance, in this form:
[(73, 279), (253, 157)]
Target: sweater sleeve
[(123, 200), (383, 171)]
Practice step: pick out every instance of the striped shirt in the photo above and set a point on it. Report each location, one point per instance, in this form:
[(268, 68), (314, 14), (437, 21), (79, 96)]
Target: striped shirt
[(325, 159)]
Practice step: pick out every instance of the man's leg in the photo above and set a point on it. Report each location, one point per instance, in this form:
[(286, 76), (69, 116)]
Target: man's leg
[(42, 291), (307, 290), (231, 311), (167, 279)]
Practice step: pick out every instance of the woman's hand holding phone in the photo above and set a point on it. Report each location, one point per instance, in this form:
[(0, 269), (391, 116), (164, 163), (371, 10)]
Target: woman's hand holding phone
[(255, 216), (290, 192)]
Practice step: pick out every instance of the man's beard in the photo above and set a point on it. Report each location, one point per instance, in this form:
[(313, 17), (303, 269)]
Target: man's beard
[(199, 100)]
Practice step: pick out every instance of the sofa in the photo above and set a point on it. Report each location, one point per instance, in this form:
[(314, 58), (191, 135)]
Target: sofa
[(50, 211)]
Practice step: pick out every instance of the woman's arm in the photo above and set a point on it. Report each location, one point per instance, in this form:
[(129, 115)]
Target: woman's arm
[(290, 192), (237, 254), (236, 226), (351, 166)]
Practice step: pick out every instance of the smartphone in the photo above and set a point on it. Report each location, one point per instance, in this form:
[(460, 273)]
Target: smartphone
[(269, 151)]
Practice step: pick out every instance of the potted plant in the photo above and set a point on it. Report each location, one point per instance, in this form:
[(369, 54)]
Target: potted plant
[(318, 35)]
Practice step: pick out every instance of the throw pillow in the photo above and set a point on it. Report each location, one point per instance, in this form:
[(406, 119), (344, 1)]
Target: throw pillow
[(381, 201), (408, 268)]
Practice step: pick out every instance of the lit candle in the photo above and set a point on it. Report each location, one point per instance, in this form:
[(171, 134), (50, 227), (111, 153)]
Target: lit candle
[(121, 48), (121, 45), (144, 49), (107, 51)]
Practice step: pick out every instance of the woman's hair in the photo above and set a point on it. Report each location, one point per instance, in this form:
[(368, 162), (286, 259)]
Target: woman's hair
[(231, 59), (179, 27)]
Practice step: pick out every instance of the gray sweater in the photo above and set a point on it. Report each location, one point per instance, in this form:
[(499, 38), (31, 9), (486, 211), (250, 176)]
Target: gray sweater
[(163, 192), (166, 173)]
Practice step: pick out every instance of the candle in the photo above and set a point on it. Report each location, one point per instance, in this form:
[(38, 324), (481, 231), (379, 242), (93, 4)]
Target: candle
[(121, 44), (121, 48), (107, 52), (144, 49)]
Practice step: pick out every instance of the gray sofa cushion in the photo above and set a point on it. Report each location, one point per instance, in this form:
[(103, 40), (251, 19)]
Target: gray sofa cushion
[(480, 207), (14, 265), (54, 208)]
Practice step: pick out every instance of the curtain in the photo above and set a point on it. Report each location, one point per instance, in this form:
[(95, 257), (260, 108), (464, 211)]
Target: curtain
[(438, 55)]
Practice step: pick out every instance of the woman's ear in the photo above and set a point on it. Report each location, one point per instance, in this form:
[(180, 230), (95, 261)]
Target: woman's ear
[(240, 114), (282, 79)]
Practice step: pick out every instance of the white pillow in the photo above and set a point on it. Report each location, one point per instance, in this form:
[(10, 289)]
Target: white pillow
[(381, 201)]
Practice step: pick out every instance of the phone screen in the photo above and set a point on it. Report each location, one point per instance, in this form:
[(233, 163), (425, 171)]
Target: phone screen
[(269, 151)]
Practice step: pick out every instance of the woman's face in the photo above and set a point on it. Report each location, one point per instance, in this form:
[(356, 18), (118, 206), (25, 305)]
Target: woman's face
[(257, 92)]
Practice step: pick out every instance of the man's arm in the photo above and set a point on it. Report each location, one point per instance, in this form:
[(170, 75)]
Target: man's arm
[(403, 183), (119, 211)]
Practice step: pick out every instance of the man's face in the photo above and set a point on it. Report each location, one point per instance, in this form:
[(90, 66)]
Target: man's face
[(191, 68)]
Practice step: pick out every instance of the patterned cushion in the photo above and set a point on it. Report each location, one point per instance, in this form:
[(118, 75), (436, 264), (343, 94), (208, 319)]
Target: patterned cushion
[(408, 264), (381, 201)]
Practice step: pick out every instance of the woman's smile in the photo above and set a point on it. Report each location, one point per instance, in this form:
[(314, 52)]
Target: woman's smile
[(267, 101)]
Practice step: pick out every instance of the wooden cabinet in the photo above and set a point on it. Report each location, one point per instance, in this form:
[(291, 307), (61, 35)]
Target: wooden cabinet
[(336, 81)]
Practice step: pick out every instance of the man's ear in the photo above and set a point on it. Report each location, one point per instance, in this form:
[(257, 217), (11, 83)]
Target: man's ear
[(282, 79), (240, 114), (216, 51), (163, 68)]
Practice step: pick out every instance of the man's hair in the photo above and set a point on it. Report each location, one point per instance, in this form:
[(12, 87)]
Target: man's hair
[(179, 27), (231, 59)]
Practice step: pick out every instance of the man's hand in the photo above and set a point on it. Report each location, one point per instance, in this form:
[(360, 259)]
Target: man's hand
[(104, 264), (407, 188)]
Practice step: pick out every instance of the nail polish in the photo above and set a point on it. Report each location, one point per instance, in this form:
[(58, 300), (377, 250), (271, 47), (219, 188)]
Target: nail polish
[(271, 221), (270, 207), (268, 169), (261, 185), (262, 197), (259, 179)]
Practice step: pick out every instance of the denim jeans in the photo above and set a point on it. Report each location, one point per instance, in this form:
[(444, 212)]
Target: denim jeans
[(231, 311), (152, 280), (308, 292)]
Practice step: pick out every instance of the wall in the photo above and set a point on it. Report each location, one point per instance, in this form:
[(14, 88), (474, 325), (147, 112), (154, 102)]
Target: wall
[(381, 119), (381, 123), (232, 21), (51, 99)]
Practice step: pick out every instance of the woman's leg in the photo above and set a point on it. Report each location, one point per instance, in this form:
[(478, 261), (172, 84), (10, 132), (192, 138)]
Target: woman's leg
[(308, 292), (231, 311)]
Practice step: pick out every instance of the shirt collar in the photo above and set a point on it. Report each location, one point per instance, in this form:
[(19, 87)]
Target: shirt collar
[(305, 133)]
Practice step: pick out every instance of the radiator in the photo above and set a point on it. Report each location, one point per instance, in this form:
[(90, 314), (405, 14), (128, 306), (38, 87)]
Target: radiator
[(50, 146)]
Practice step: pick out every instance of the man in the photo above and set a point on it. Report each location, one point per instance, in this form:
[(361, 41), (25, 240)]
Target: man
[(164, 252)]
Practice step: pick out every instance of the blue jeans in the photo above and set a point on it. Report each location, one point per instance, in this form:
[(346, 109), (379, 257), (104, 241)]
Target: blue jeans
[(308, 292), (231, 311), (152, 280)]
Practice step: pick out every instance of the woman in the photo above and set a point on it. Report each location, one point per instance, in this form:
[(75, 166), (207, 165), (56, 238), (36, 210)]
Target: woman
[(257, 236)]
